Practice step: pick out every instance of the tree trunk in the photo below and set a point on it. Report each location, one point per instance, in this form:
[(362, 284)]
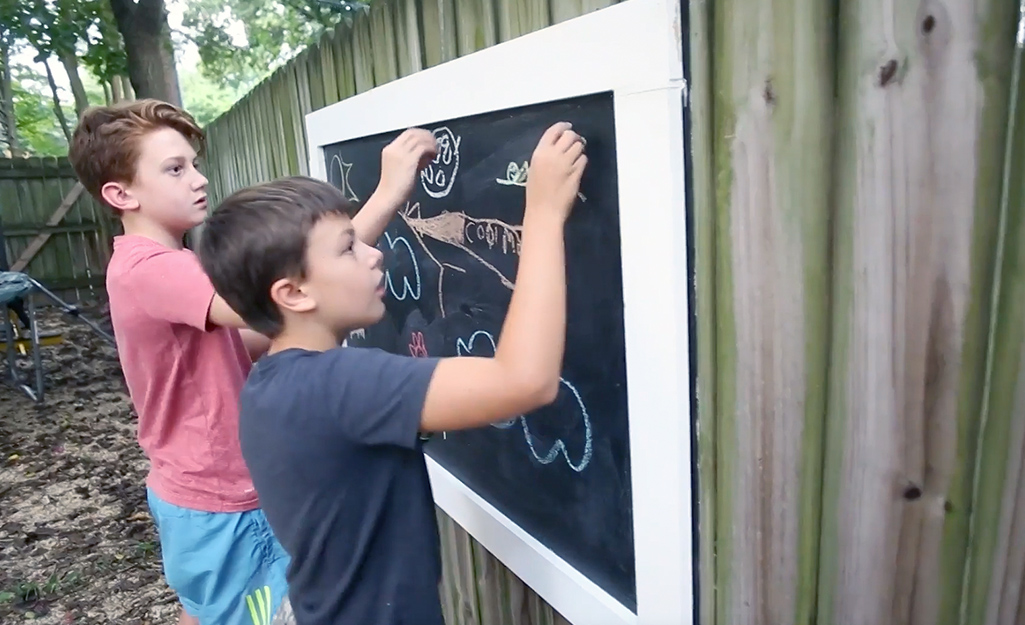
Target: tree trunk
[(126, 87), (147, 39), (116, 94), (70, 63), (57, 110), (8, 125)]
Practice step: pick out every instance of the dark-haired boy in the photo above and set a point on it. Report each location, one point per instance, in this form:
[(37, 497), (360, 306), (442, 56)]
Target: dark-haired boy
[(332, 434)]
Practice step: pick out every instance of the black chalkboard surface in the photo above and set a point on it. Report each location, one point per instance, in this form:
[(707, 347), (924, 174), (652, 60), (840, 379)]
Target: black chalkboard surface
[(561, 473)]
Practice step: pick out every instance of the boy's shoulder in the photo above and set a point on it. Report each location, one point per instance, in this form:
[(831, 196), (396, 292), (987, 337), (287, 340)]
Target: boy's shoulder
[(148, 279), (373, 395), (130, 252)]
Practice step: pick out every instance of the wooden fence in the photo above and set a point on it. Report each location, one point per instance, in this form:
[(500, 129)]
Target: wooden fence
[(859, 219), (858, 208), (54, 231)]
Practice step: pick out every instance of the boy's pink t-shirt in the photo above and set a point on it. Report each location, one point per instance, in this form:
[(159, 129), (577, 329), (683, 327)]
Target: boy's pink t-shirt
[(184, 376)]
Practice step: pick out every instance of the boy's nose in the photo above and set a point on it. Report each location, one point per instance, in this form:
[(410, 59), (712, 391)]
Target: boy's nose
[(376, 257)]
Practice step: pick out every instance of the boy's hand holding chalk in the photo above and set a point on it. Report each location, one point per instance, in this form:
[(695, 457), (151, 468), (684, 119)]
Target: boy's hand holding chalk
[(402, 159)]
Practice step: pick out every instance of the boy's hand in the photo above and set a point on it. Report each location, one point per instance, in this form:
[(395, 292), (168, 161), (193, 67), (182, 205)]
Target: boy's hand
[(555, 170), (402, 160)]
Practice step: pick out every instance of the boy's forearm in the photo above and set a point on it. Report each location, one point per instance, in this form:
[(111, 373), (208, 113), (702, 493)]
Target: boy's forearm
[(375, 215), (534, 333)]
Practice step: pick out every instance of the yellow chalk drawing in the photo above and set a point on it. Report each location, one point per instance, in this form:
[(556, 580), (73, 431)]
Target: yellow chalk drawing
[(260, 608), (516, 176)]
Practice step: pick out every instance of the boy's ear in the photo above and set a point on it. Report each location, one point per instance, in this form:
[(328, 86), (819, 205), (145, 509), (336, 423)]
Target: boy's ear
[(288, 294), (119, 196)]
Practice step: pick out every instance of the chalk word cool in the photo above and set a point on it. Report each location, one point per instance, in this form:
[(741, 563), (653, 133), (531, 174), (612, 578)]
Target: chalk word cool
[(440, 174), (465, 348)]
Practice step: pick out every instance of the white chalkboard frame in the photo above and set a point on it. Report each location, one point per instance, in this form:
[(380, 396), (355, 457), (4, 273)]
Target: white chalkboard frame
[(633, 49)]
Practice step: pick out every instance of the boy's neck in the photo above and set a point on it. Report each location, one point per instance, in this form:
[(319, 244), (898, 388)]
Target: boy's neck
[(310, 337), (137, 226)]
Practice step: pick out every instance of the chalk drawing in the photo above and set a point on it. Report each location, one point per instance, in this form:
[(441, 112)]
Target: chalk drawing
[(440, 174), (358, 334), (452, 229), (343, 173), (417, 349), (516, 176), (466, 348), (407, 287)]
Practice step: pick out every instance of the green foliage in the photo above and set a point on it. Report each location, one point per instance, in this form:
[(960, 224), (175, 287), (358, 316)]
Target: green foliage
[(273, 33), (206, 99), (105, 49), (33, 111), (65, 27)]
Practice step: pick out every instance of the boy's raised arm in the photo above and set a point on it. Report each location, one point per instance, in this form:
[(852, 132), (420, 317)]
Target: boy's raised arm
[(401, 161), (524, 373)]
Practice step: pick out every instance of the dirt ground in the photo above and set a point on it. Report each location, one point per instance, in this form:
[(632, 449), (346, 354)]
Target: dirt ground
[(77, 544)]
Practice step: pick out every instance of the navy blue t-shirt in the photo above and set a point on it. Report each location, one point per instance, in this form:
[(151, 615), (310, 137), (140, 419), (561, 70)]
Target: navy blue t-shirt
[(332, 442)]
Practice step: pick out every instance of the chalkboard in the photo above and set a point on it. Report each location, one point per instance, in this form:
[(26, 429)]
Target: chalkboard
[(561, 473)]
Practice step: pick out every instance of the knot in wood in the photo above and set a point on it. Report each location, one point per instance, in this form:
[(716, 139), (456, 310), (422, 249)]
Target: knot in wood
[(887, 72), (768, 93), (912, 492)]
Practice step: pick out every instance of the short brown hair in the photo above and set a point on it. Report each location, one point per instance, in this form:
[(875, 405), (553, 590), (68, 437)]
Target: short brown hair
[(259, 235), (105, 146)]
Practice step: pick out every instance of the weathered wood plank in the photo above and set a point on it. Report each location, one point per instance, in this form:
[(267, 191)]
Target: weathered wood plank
[(409, 52), (362, 55), (913, 276), (563, 10), (521, 17), (773, 93), (476, 25), (382, 42), (439, 31), (996, 542), (702, 185)]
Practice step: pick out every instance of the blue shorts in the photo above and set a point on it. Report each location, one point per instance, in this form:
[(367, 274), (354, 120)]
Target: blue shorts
[(226, 567)]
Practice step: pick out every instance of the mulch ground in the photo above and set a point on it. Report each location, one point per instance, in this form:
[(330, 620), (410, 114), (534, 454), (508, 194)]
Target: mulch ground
[(77, 543)]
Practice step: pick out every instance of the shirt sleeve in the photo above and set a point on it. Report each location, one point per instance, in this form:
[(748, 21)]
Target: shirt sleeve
[(378, 397), (171, 285)]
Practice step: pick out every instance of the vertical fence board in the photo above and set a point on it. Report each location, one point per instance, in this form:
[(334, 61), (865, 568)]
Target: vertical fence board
[(771, 215), (439, 31), (382, 43), (913, 279), (407, 39), (476, 25)]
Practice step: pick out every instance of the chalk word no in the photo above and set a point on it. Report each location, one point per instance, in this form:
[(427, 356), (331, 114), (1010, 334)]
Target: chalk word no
[(465, 348), (440, 174)]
